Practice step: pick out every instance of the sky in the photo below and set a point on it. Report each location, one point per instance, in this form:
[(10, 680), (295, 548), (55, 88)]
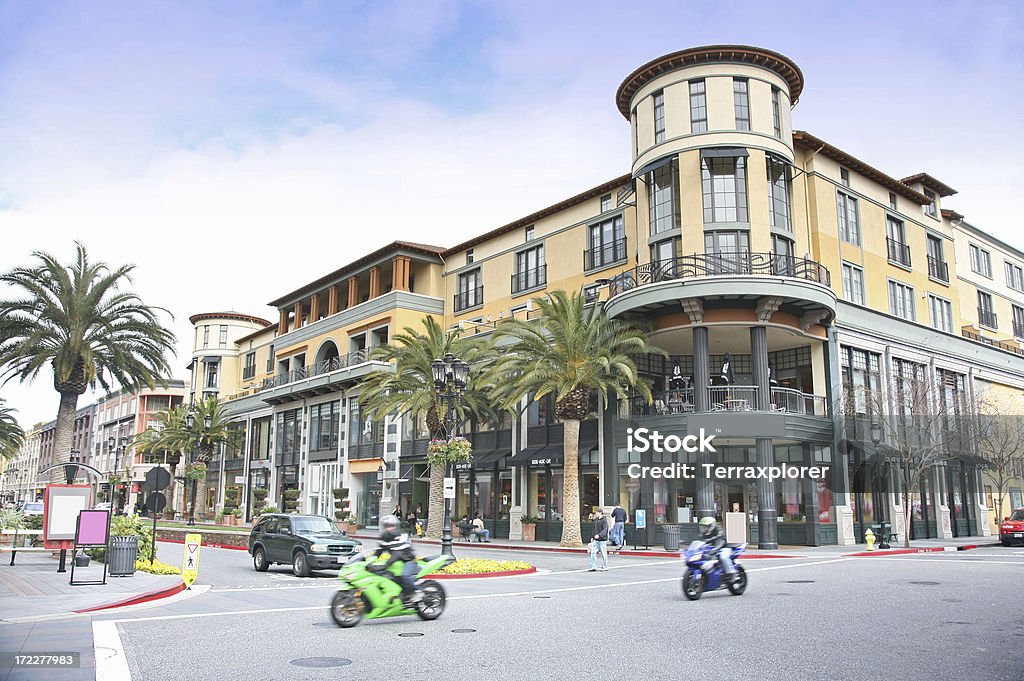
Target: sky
[(234, 151)]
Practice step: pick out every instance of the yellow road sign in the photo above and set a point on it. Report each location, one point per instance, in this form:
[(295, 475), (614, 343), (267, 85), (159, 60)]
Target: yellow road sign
[(190, 561)]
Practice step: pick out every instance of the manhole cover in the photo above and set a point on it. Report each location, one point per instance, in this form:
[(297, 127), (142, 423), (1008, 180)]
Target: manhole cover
[(952, 600), (321, 662), (542, 596), (463, 631), (951, 622), (926, 583), (411, 633), (799, 581)]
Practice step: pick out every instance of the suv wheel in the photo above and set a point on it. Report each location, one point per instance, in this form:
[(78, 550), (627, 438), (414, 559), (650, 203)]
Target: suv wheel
[(300, 564), (259, 560)]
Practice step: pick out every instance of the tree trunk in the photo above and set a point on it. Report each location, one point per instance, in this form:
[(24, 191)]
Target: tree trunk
[(201, 499), (571, 485), (435, 502), (64, 433), (911, 485)]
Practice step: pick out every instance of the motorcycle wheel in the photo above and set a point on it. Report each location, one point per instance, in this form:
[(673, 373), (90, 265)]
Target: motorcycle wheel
[(740, 585), (693, 585), (432, 605), (347, 609)]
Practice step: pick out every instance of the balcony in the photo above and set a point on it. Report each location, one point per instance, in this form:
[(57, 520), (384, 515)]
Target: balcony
[(469, 299), (800, 285), (938, 270), (988, 318), (899, 252), (605, 255), (1002, 345), (527, 280), (318, 369), (733, 398)]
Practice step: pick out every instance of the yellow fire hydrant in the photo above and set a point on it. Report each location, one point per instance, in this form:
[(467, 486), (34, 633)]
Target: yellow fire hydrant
[(869, 537)]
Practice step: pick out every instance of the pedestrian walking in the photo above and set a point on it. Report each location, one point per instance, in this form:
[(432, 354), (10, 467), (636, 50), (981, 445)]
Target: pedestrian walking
[(617, 537), (599, 542)]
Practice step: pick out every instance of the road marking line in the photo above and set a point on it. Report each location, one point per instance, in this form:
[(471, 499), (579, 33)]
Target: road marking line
[(111, 663)]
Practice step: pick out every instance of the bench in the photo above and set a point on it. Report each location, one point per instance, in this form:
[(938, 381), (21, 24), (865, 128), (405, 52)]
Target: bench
[(15, 549), (892, 537)]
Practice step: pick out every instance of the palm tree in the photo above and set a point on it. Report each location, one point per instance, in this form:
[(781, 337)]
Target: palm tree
[(78, 320), (151, 441), (198, 437), (409, 389), (569, 352), (11, 434)]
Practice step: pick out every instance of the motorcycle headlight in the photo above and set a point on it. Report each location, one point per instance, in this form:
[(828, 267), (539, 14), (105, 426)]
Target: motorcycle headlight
[(318, 548)]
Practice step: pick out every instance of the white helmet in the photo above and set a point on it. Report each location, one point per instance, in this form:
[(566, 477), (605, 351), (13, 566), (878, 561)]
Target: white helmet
[(390, 523)]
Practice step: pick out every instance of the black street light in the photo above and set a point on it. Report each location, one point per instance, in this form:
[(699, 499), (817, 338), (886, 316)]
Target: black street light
[(450, 378)]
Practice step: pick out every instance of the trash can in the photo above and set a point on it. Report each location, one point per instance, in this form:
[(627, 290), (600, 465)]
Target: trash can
[(121, 556), (671, 537)]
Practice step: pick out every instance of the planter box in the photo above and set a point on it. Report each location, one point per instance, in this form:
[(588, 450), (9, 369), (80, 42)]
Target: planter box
[(529, 532)]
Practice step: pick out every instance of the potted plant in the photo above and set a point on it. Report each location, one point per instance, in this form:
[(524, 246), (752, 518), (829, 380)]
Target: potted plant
[(259, 499), (340, 504), (169, 513), (529, 527), (348, 524), (291, 500)]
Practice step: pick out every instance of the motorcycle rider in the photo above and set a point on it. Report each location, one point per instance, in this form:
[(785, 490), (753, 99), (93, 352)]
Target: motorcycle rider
[(711, 533), (399, 548)]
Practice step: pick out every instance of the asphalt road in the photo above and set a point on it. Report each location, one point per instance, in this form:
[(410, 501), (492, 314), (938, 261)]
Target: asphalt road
[(935, 616)]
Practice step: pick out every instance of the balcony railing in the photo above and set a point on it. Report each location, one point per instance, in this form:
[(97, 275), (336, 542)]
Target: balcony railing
[(938, 269), (469, 298), (324, 367), (899, 252), (529, 279), (606, 254), (1002, 345), (720, 265), (988, 318), (727, 398)]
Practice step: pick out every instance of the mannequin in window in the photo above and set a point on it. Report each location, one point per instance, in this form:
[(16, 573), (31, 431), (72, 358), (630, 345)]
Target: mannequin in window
[(677, 383), (773, 379), (727, 377)]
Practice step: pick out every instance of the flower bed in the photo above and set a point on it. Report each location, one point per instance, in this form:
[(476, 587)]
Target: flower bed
[(156, 567), (484, 567)]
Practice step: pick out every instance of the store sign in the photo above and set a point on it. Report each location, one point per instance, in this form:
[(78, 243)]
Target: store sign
[(540, 462), (449, 488)]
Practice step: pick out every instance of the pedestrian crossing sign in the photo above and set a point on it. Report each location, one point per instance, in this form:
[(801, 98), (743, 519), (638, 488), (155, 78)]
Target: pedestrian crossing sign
[(190, 561)]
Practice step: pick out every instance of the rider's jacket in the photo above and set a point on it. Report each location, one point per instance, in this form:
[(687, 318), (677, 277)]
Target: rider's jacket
[(716, 538), (397, 545)]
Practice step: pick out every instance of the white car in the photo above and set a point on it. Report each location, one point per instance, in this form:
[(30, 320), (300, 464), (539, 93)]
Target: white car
[(102, 506), (33, 508)]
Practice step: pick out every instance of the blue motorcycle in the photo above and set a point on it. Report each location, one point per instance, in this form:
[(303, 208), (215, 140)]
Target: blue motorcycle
[(704, 571)]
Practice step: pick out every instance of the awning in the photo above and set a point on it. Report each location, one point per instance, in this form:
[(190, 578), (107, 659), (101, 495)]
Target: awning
[(212, 359), (975, 461), (487, 458), (654, 165), (723, 152), (544, 455)]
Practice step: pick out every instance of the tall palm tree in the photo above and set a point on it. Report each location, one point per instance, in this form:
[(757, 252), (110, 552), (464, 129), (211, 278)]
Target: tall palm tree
[(568, 352), (11, 434), (78, 320), (199, 440), (409, 389), (151, 441)]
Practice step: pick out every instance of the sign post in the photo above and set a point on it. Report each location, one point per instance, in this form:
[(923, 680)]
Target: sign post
[(449, 488), (190, 561), (157, 479)]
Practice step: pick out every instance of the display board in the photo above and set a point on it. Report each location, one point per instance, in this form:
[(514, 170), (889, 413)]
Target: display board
[(61, 506)]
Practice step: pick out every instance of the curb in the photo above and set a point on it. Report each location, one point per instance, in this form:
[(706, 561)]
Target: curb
[(141, 598), (212, 546), (926, 549), (562, 549), (479, 575)]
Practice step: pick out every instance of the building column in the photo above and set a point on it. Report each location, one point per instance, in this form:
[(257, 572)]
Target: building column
[(811, 502), (353, 291), (374, 281), (314, 308), (400, 273), (701, 379), (767, 517), (298, 315), (332, 300), (282, 325)]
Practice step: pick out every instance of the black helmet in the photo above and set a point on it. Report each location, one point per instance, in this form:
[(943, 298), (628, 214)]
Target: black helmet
[(706, 525), (389, 523)]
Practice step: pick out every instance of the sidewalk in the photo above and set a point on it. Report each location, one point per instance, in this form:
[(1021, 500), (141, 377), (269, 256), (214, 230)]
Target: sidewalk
[(916, 546), (32, 588)]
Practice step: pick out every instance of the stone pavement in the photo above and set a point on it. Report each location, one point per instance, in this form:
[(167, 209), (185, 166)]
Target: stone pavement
[(32, 587)]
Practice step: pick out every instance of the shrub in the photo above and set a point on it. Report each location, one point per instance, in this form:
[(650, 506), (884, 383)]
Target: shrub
[(156, 567), (291, 500), (127, 526), (196, 471), (269, 509), (10, 519)]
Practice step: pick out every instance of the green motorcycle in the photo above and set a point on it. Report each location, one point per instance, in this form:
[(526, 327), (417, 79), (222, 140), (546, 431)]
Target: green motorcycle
[(373, 595)]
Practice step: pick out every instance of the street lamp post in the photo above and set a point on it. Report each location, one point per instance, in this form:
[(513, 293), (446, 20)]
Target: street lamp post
[(450, 378), (876, 438), (190, 421)]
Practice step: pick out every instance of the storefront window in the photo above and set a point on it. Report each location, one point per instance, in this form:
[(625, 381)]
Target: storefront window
[(485, 494), (505, 492)]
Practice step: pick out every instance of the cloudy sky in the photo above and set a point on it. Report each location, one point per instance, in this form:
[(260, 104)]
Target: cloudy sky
[(235, 151)]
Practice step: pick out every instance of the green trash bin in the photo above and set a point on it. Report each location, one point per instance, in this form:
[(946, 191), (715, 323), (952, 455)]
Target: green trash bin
[(121, 556), (671, 537)]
